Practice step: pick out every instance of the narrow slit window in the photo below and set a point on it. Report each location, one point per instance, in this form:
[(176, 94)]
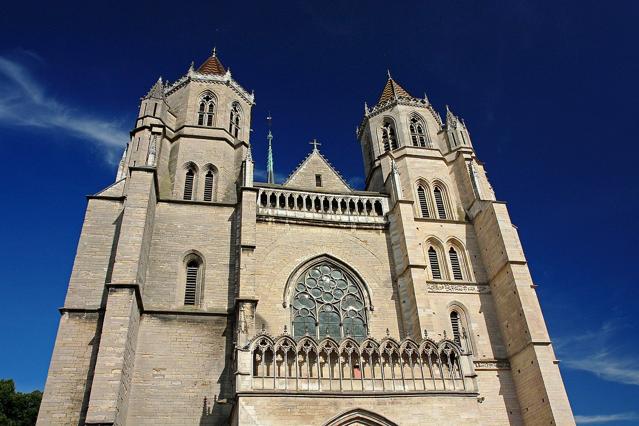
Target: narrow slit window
[(188, 184), (155, 109), (318, 181), (423, 205), (208, 186), (455, 324), (439, 201), (454, 264), (190, 290), (434, 263)]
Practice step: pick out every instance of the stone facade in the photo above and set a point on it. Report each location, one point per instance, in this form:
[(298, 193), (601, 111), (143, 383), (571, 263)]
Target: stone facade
[(199, 296)]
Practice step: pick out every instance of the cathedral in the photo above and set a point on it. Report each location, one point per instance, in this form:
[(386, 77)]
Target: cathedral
[(199, 296)]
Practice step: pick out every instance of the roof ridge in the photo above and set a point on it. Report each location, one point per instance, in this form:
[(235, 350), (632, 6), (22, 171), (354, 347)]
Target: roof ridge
[(308, 156)]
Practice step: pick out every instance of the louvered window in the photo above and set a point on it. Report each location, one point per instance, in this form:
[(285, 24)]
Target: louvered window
[(454, 263), (188, 184), (434, 264), (208, 186), (423, 205), (456, 326), (439, 201), (190, 290)]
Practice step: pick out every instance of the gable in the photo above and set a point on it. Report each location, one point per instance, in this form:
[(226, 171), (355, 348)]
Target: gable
[(305, 176)]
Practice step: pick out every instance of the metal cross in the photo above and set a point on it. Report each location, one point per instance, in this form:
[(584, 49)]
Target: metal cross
[(315, 143)]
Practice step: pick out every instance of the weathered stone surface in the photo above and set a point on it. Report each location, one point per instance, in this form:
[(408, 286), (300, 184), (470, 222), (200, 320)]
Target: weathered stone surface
[(133, 349)]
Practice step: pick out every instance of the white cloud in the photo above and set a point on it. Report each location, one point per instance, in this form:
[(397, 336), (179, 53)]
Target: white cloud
[(608, 364), (24, 102), (606, 418)]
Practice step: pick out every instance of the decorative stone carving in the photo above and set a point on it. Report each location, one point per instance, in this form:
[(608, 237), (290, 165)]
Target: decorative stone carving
[(452, 287)]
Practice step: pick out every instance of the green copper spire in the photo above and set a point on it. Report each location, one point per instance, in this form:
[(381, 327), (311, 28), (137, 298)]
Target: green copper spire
[(270, 175)]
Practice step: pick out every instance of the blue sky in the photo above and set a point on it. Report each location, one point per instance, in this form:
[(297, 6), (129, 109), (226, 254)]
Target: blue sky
[(548, 89)]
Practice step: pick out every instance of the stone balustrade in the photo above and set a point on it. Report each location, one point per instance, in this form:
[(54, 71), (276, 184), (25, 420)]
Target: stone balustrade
[(370, 366), (349, 208)]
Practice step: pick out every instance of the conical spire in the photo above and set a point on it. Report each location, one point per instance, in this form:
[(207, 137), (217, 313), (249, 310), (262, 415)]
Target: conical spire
[(392, 90), (270, 174), (212, 65)]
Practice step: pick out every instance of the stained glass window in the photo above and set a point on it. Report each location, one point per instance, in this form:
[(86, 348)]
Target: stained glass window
[(327, 301)]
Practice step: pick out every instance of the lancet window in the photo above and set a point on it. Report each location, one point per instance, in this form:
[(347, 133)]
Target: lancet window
[(418, 132), (193, 277), (235, 119), (206, 110), (327, 301), (389, 136), (209, 182), (439, 202), (423, 203), (189, 180)]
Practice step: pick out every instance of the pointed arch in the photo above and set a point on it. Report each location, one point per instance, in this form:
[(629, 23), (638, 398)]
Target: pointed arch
[(210, 182), (418, 131), (327, 298), (389, 137), (192, 278), (460, 325), (423, 197), (442, 200), (359, 416), (459, 260), (190, 179), (436, 259), (206, 109), (235, 120)]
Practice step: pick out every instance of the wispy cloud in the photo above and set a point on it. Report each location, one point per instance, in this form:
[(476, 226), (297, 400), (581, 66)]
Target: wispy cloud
[(24, 102), (608, 364), (606, 418)]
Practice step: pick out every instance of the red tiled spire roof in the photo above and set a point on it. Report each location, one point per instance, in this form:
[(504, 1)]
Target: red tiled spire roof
[(392, 90), (212, 65)]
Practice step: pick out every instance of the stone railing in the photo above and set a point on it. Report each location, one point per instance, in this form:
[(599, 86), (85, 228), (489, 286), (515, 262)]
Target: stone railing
[(387, 366), (353, 208)]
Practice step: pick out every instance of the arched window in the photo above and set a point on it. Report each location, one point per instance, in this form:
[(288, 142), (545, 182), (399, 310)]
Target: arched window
[(188, 184), (455, 323), (423, 204), (389, 136), (328, 302), (206, 110), (433, 259), (208, 186), (192, 280), (418, 132), (455, 265), (234, 125), (439, 202)]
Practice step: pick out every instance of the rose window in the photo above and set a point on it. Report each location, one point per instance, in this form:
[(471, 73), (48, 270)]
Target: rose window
[(328, 302)]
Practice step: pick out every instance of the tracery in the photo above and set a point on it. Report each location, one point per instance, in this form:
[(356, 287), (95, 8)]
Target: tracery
[(328, 302)]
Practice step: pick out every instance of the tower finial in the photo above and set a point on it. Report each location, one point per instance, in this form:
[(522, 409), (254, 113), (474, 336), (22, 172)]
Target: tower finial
[(214, 53), (270, 174), (389, 74)]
